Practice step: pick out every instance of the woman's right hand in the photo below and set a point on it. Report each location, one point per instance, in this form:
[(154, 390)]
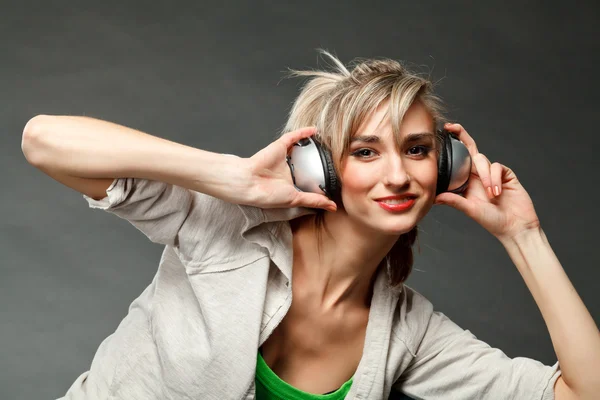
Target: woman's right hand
[(270, 183)]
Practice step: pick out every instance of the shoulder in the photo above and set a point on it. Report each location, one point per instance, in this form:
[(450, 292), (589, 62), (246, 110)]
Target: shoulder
[(216, 231), (424, 327), (414, 312), (245, 217)]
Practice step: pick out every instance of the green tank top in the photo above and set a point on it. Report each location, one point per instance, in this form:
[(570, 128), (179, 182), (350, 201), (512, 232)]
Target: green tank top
[(270, 387)]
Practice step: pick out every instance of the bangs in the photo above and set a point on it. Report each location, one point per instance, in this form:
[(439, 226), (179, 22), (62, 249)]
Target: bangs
[(399, 101), (338, 102)]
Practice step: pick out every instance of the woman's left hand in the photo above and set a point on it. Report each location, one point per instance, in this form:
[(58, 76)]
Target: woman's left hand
[(505, 213)]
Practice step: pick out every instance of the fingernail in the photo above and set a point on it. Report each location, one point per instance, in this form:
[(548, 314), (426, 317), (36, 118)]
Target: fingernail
[(489, 191), (496, 191)]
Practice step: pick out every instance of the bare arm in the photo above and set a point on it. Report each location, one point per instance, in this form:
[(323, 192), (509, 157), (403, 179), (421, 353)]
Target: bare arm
[(87, 154), (574, 333)]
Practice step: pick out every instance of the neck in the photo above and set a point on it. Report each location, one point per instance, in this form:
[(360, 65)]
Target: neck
[(336, 269)]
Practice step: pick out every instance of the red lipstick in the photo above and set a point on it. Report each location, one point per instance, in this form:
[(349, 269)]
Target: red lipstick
[(397, 207)]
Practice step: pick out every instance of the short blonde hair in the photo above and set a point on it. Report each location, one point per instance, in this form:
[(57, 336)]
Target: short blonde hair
[(337, 102)]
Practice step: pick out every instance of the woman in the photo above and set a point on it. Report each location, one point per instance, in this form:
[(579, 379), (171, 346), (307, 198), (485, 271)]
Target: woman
[(268, 292)]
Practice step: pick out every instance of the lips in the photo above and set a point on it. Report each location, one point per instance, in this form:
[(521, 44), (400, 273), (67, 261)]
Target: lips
[(396, 203)]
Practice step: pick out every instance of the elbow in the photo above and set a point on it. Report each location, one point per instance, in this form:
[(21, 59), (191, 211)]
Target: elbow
[(32, 142)]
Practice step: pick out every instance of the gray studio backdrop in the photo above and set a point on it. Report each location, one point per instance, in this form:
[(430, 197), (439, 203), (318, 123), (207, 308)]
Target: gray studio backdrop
[(520, 77)]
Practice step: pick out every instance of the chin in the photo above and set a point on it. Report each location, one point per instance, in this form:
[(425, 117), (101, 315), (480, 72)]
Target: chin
[(380, 222), (394, 228), (398, 224), (398, 231)]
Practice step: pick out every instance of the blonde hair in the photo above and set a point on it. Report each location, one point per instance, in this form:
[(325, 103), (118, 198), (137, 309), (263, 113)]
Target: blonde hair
[(337, 101)]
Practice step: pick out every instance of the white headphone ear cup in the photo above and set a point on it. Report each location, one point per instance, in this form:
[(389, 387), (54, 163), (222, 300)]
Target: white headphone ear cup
[(461, 162), (312, 168)]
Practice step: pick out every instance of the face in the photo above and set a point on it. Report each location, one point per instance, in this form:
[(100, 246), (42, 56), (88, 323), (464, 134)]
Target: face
[(375, 168)]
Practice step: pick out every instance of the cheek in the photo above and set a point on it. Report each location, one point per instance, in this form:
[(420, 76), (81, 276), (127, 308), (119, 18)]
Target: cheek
[(427, 178), (355, 179), (361, 178), (428, 174)]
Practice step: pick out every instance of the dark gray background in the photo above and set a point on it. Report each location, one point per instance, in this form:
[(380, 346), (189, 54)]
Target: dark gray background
[(520, 76)]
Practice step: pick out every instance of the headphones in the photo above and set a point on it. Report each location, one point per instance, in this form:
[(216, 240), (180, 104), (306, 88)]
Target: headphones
[(312, 167)]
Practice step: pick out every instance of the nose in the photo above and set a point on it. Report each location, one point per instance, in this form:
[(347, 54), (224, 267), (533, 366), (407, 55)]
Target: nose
[(395, 173)]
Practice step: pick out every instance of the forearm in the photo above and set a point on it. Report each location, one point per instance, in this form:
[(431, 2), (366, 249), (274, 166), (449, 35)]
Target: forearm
[(90, 148), (574, 334)]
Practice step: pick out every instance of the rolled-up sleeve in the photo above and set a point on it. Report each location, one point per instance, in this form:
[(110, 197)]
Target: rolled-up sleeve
[(203, 230), (451, 363), (155, 208)]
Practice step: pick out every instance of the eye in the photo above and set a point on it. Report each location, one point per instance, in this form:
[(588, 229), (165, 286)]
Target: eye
[(424, 150), (363, 153)]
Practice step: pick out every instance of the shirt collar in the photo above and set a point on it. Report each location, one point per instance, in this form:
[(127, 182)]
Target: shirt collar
[(280, 245), (276, 238)]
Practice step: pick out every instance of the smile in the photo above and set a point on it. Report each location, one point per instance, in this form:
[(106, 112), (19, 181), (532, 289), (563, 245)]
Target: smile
[(396, 204)]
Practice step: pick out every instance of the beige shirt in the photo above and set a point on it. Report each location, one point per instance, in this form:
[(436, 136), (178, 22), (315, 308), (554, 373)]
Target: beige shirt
[(224, 284)]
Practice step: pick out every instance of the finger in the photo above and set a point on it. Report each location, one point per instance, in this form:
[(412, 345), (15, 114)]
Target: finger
[(508, 174), (482, 164), (290, 138), (496, 172), (314, 200), (463, 136)]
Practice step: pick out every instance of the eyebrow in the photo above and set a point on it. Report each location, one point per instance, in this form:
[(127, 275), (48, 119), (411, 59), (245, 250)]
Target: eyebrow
[(410, 138)]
